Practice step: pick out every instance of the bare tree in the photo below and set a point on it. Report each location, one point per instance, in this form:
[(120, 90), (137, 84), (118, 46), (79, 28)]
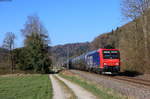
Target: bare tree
[(133, 9), (9, 45)]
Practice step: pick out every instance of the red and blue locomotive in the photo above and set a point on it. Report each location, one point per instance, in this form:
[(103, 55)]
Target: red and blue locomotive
[(101, 60)]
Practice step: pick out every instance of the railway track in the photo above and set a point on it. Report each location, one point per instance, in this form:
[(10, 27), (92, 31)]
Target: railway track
[(137, 81), (133, 80)]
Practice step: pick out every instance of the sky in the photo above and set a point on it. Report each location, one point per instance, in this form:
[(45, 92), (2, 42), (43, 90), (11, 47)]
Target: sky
[(67, 21)]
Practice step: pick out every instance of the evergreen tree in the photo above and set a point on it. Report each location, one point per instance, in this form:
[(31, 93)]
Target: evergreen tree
[(36, 46)]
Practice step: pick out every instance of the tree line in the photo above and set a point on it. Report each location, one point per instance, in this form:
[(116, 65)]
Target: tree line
[(34, 56)]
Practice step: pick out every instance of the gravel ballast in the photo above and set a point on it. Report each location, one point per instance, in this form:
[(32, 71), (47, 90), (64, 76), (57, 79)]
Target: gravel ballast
[(122, 87)]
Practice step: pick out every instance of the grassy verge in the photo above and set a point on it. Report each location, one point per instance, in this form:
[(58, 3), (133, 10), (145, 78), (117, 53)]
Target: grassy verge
[(25, 87), (99, 91)]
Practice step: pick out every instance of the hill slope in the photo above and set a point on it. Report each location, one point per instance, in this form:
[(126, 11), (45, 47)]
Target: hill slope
[(61, 52), (130, 40)]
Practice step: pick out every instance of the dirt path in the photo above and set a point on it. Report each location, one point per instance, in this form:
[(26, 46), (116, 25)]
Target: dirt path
[(78, 91), (57, 89)]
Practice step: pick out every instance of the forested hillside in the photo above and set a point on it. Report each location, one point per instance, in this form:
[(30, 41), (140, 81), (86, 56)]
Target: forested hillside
[(61, 52), (131, 42)]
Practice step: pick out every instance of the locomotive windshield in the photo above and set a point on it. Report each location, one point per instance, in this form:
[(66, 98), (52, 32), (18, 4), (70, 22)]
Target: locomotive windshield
[(111, 54)]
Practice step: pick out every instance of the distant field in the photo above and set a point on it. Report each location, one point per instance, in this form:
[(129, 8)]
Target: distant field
[(25, 87)]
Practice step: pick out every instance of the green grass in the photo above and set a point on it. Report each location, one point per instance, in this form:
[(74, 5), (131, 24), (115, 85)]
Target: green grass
[(99, 91), (25, 87)]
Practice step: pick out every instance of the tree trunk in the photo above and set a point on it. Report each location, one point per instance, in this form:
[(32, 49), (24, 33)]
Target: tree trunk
[(145, 31), (136, 35), (136, 43), (12, 61)]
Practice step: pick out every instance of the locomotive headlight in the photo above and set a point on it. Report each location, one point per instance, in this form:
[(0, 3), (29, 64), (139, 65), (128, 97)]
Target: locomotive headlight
[(105, 63), (117, 64)]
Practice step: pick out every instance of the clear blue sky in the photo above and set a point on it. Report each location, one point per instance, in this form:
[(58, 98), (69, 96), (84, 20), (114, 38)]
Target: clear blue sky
[(67, 21)]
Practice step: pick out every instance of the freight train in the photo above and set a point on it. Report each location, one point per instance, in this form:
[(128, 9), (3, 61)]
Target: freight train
[(100, 61)]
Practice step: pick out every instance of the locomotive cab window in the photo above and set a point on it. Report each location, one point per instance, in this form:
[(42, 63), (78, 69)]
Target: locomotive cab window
[(111, 54), (106, 54), (115, 54)]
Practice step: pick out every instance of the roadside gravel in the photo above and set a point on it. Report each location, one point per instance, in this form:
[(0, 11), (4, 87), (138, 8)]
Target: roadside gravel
[(124, 88), (144, 77)]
